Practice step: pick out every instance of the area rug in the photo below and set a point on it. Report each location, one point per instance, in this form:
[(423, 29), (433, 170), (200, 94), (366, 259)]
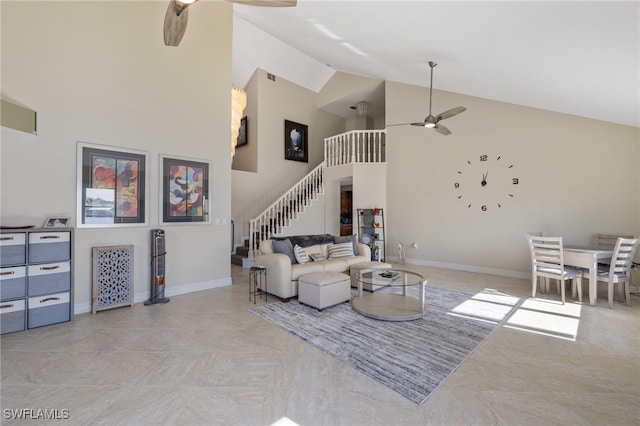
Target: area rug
[(412, 357)]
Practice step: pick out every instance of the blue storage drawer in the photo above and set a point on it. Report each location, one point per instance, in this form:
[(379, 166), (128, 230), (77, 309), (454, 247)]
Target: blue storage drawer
[(48, 278), (13, 282), (12, 316), (49, 246), (49, 309), (12, 249)]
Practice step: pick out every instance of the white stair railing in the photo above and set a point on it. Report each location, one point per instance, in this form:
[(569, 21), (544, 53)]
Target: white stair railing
[(356, 146), (286, 208)]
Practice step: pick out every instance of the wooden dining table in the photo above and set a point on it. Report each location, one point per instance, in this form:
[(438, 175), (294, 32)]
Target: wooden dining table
[(588, 258)]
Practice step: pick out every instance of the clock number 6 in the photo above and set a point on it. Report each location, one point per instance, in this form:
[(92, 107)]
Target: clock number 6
[(484, 208)]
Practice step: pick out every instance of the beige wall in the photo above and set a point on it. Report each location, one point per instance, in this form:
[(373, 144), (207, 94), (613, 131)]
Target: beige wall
[(275, 102), (99, 72), (577, 177)]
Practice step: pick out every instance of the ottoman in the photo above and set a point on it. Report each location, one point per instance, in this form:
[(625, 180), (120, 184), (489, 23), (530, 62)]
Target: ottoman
[(359, 267), (323, 289)]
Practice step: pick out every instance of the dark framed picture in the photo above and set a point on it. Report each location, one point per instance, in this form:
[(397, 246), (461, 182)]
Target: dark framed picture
[(185, 190), (111, 186), (296, 141), (242, 133)]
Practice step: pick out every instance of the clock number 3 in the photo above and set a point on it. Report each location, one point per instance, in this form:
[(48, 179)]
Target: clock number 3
[(488, 190)]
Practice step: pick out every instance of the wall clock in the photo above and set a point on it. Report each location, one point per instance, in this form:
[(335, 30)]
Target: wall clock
[(486, 183)]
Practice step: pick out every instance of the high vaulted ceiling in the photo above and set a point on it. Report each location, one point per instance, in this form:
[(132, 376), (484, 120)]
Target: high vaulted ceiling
[(575, 57)]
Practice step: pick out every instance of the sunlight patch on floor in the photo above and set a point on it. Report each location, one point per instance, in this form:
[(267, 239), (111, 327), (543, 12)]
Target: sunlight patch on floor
[(488, 305), (547, 317)]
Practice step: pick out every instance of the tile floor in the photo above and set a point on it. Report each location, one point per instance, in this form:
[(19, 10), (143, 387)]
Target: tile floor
[(202, 359)]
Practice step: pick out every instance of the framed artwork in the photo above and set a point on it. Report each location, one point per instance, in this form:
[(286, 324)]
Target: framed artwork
[(56, 222), (111, 186), (242, 133), (296, 141), (185, 190)]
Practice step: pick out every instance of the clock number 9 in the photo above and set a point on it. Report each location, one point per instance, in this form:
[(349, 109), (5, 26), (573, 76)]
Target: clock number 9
[(456, 185)]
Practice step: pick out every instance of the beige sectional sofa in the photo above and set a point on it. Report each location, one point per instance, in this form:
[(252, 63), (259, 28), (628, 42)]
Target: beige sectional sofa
[(283, 269)]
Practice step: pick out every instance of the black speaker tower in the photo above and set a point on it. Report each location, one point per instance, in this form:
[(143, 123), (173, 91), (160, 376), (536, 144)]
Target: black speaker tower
[(158, 253)]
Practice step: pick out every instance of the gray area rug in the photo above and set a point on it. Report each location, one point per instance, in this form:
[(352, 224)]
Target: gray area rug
[(413, 357)]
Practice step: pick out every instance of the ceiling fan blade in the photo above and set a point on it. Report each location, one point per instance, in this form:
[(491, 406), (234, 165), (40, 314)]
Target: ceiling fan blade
[(398, 124), (442, 130), (175, 23), (450, 113), (267, 3)]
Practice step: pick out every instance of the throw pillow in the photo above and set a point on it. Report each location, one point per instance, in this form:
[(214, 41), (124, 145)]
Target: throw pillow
[(284, 247), (301, 255), (316, 257), (340, 250), (347, 238)]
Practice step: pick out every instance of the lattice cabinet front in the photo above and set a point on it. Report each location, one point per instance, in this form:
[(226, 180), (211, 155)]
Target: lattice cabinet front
[(112, 277)]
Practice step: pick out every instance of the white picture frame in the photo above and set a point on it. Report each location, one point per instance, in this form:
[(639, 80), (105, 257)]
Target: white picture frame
[(56, 222)]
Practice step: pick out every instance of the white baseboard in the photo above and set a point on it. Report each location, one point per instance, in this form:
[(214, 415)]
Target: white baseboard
[(84, 307), (467, 268)]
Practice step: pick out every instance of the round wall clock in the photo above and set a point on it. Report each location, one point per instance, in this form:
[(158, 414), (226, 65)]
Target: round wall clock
[(486, 183)]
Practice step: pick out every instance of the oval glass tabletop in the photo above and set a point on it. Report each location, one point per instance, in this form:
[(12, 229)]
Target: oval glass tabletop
[(390, 306), (391, 277)]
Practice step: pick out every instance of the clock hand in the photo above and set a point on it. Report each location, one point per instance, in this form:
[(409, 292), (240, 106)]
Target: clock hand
[(484, 179)]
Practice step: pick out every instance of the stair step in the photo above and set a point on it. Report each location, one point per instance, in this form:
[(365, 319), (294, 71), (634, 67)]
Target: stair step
[(242, 251), (237, 260)]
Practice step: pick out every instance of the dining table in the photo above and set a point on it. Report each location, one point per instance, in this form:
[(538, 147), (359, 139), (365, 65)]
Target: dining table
[(587, 258)]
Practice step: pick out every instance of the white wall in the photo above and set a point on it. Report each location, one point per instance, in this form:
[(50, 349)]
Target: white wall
[(577, 177), (99, 72)]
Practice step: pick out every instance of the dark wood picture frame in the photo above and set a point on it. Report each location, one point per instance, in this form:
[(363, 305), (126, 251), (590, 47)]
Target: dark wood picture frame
[(243, 136), (185, 190), (296, 141), (111, 186)]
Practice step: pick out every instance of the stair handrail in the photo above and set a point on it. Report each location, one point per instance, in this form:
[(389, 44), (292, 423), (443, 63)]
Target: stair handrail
[(271, 220), (355, 146)]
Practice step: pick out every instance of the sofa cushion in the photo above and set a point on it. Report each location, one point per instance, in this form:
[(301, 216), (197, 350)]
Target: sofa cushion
[(307, 240), (266, 246), (346, 239), (317, 257), (339, 264), (340, 250), (300, 254), (284, 247), (300, 269)]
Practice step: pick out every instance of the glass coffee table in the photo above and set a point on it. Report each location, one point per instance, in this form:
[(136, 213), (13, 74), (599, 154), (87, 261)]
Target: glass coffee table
[(390, 306)]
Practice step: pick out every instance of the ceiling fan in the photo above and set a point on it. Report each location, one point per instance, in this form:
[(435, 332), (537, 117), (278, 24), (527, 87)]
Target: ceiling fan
[(430, 121), (175, 20)]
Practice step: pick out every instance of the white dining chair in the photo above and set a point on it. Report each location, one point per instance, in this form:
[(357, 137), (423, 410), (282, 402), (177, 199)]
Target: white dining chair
[(543, 288), (547, 261), (619, 271), (608, 241)]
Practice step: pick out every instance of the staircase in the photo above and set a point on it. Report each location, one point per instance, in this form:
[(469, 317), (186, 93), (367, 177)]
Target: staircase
[(242, 252), (279, 215), (357, 146)]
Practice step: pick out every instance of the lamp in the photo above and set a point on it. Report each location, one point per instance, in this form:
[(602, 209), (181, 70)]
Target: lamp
[(181, 5), (362, 108), (238, 103)]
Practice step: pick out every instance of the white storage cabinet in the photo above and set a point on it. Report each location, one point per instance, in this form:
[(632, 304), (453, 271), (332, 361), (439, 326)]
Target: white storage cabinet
[(36, 278)]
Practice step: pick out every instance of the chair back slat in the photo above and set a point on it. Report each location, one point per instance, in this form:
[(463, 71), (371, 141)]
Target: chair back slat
[(546, 253), (622, 259)]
